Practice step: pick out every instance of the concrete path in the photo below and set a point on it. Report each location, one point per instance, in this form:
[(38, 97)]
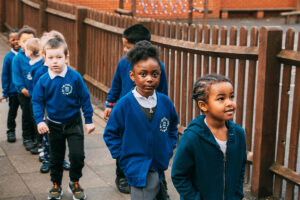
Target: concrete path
[(20, 178)]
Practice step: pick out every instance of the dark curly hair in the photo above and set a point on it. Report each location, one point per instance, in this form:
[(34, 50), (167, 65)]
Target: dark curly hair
[(142, 51), (203, 84)]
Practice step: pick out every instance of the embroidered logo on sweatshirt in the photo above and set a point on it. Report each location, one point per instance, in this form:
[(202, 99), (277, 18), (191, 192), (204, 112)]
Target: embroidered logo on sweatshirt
[(67, 89), (29, 77), (164, 124)]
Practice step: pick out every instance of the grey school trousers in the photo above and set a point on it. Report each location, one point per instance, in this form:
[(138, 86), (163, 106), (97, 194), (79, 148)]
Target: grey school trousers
[(150, 191)]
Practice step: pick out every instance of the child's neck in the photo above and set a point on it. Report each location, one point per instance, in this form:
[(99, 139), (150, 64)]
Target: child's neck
[(218, 128), (34, 58)]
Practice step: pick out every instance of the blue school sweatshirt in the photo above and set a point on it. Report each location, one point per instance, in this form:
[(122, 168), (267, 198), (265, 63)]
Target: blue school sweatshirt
[(37, 73), (8, 88), (122, 84), (200, 168), (139, 144), (21, 72), (63, 97), (34, 68)]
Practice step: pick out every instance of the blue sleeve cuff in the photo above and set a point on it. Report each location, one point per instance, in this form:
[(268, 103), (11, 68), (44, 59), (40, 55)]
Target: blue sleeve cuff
[(88, 120), (109, 105), (38, 121)]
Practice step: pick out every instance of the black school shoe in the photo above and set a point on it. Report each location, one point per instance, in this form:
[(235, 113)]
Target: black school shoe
[(11, 137), (29, 144), (122, 185)]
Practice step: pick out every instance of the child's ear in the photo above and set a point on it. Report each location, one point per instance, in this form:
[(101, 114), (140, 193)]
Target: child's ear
[(131, 75), (202, 105)]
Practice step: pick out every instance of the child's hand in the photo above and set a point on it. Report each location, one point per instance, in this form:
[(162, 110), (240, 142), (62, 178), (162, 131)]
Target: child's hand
[(25, 92), (43, 128), (107, 112), (89, 128), (3, 98)]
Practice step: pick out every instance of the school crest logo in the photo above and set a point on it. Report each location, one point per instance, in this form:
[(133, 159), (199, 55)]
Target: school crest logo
[(66, 89), (164, 124), (29, 77)]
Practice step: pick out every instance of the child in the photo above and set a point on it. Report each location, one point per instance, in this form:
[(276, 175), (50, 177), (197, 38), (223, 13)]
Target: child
[(22, 79), (9, 90), (211, 155), (66, 86), (141, 132), (122, 84), (36, 74)]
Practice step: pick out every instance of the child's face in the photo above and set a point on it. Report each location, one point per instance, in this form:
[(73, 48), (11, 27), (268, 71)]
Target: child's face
[(55, 59), (220, 104), (23, 38), (127, 45), (13, 41), (146, 75)]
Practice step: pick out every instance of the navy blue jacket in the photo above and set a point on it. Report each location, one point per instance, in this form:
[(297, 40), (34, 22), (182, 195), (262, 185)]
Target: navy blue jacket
[(139, 144), (37, 73), (21, 72), (63, 97), (122, 83), (8, 87), (200, 169)]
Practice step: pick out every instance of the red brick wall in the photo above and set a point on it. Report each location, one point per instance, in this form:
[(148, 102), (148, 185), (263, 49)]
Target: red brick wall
[(180, 11), (244, 4)]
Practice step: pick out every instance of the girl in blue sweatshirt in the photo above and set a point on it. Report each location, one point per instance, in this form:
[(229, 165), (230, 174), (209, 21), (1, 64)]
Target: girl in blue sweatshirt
[(211, 155), (141, 132)]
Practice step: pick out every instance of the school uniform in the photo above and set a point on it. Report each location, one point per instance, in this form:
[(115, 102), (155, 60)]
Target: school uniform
[(35, 65), (122, 84), (64, 120), (142, 143), (200, 168), (9, 91), (21, 76)]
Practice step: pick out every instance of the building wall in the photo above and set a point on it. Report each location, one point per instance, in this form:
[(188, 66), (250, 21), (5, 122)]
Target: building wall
[(178, 9)]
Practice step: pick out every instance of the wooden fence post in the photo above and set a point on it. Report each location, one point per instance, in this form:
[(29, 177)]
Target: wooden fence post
[(43, 20), (20, 16), (80, 38), (2, 15), (270, 42)]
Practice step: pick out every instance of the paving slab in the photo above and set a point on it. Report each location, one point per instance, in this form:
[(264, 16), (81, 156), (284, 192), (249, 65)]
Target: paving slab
[(12, 186), (6, 167)]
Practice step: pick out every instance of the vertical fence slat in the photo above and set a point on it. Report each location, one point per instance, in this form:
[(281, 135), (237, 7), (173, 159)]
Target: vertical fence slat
[(232, 41), (178, 71), (250, 98), (294, 137), (284, 104), (215, 38), (270, 40), (167, 52), (241, 79), (172, 64), (199, 60), (191, 76), (206, 41), (223, 41), (184, 77)]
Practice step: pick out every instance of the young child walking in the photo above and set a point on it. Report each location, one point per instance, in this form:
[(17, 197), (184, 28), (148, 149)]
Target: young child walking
[(122, 84), (64, 85), (211, 155), (142, 129), (8, 88), (37, 72), (22, 79)]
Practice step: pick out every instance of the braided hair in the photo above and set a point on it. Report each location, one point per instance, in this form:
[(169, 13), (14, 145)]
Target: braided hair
[(203, 84)]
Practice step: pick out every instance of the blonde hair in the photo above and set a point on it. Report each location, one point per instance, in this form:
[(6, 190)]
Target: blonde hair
[(34, 45), (49, 35)]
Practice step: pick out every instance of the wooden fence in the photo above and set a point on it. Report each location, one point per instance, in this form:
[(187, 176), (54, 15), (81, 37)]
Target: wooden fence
[(264, 75)]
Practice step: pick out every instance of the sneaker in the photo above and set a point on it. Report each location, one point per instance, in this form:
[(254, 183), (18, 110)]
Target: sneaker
[(122, 185), (28, 144), (55, 192), (45, 168), (11, 137), (77, 191), (35, 150), (66, 165)]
